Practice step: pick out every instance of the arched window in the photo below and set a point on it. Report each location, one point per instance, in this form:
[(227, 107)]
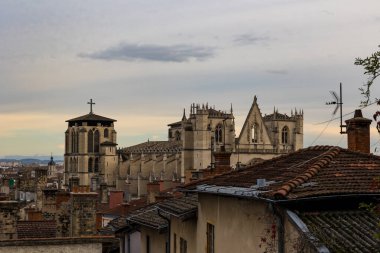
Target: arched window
[(76, 142), (96, 168), (255, 133), (73, 141), (71, 164), (90, 142), (177, 136), (106, 133), (90, 165), (285, 135), (218, 134), (96, 141)]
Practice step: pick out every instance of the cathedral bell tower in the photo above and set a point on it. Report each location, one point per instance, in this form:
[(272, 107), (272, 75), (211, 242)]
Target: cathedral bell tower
[(90, 151)]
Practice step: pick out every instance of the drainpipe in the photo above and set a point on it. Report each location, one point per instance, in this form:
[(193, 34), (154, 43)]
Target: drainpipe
[(168, 233)]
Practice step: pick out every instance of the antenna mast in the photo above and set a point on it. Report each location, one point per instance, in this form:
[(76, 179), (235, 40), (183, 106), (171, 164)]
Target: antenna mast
[(338, 102)]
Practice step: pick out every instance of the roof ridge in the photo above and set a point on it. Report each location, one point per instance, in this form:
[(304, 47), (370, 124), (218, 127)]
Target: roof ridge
[(326, 158)]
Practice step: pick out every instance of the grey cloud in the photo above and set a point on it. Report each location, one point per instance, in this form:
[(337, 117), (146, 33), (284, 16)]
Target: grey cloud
[(277, 71), (247, 39), (131, 52)]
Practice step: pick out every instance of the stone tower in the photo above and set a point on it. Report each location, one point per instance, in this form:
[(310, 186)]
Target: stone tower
[(90, 151), (52, 171), (207, 130)]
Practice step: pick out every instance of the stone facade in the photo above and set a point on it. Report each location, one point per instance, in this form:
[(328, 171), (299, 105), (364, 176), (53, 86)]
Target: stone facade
[(8, 219), (83, 213)]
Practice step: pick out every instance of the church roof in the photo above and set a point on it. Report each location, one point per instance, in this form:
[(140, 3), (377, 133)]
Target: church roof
[(312, 172), (91, 117), (155, 147)]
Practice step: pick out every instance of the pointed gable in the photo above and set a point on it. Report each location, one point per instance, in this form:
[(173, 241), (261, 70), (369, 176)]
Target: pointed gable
[(254, 129)]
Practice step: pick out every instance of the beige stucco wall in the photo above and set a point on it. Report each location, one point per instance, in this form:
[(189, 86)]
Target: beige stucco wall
[(64, 248), (240, 225), (184, 229), (157, 241)]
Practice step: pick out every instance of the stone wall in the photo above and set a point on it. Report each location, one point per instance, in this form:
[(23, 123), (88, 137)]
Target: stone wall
[(83, 213), (8, 219)]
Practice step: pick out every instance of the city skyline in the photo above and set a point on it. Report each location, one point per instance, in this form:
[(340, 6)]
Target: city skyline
[(143, 63)]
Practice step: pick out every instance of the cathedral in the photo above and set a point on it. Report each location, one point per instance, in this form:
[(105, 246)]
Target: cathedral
[(91, 157)]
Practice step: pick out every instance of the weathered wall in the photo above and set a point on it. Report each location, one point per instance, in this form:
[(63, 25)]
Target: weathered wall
[(8, 219), (157, 241), (253, 219), (184, 229), (64, 248)]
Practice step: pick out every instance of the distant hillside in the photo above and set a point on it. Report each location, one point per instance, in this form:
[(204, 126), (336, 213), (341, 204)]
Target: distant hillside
[(30, 160)]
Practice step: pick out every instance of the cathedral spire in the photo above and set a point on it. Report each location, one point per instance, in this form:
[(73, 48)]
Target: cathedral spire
[(232, 110), (184, 115)]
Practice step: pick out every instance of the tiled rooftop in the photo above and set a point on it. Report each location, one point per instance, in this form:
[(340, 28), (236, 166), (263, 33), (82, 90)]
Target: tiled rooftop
[(348, 231), (180, 206), (36, 229), (314, 171), (154, 147), (149, 217)]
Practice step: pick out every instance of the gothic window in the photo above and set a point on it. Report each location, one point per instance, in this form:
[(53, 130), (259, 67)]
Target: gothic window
[(67, 143), (284, 135), (106, 133), (177, 136), (96, 169), (90, 164), (73, 141), (90, 142), (96, 141), (255, 133), (218, 134), (76, 142)]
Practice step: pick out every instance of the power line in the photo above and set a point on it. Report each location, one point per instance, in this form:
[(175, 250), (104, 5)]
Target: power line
[(319, 135), (332, 119)]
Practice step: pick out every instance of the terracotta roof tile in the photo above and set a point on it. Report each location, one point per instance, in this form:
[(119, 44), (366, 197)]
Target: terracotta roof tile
[(314, 171), (344, 231)]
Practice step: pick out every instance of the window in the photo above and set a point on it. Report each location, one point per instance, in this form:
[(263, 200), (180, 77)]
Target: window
[(96, 169), (182, 245), (96, 141), (210, 238), (175, 243), (106, 133), (90, 165), (147, 244), (284, 135), (90, 142), (177, 136), (218, 134), (255, 133)]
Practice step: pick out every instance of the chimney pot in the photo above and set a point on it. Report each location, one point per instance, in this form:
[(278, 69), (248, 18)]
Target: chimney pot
[(358, 133)]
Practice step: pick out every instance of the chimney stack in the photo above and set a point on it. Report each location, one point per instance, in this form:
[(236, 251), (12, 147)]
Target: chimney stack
[(358, 134)]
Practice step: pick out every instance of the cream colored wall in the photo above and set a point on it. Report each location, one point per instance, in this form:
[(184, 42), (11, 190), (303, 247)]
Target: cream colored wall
[(157, 241), (64, 248), (187, 230), (240, 225)]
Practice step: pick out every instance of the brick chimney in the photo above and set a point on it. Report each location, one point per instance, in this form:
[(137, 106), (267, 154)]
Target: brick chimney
[(358, 134)]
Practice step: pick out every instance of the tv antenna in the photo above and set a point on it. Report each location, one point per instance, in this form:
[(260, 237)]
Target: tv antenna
[(338, 102)]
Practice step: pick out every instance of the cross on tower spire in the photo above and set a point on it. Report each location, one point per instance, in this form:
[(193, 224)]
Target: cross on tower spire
[(90, 103)]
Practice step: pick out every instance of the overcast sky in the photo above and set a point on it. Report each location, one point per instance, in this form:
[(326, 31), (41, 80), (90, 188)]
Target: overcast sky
[(144, 61)]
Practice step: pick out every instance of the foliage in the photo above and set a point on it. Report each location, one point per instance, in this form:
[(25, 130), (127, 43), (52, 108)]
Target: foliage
[(371, 65)]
